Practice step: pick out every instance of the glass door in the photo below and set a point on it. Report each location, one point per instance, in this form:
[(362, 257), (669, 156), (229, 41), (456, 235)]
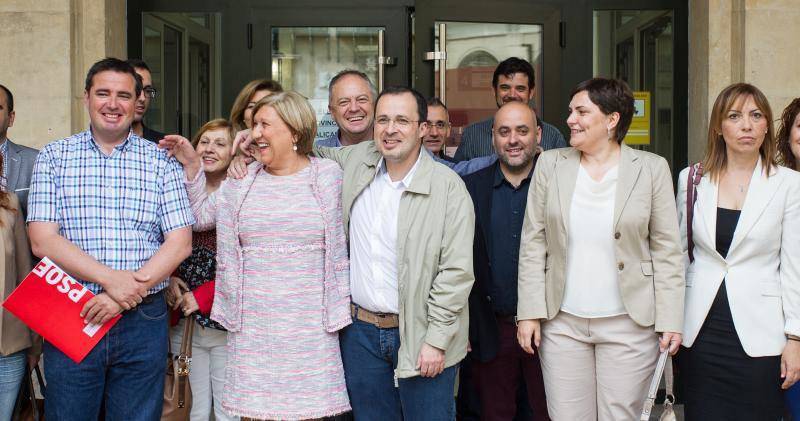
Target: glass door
[(476, 40), (304, 48)]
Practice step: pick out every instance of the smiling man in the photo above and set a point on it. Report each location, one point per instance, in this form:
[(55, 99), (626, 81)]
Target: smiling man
[(111, 209), (408, 220), (513, 80), (351, 99), (499, 193)]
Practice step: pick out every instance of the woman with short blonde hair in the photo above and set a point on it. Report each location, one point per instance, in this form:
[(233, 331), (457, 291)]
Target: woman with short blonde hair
[(283, 285)]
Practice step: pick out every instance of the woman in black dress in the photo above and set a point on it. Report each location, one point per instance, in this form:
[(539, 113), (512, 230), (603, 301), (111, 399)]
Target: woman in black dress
[(742, 325)]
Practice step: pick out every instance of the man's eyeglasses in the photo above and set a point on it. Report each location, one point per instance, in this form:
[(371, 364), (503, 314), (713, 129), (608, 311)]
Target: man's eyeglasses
[(150, 92), (440, 125), (401, 122)]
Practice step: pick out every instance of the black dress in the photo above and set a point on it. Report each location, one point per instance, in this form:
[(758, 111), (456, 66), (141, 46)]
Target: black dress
[(720, 381)]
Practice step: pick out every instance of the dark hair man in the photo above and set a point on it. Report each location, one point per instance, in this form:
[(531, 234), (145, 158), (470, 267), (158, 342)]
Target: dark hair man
[(404, 268), (513, 80), (438, 129), (17, 159), (499, 194), (111, 209), (147, 94), (351, 102)]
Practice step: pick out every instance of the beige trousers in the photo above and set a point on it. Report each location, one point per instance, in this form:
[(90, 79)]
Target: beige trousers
[(596, 369), (207, 374)]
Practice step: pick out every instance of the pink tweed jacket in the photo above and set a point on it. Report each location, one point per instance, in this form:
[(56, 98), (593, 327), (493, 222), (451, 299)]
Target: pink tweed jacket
[(222, 209)]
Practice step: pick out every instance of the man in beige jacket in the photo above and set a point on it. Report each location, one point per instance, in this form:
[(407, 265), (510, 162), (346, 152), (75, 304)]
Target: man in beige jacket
[(410, 223)]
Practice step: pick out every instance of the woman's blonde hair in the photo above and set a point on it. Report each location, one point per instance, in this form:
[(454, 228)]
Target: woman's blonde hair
[(217, 123), (296, 112), (716, 159), (244, 97)]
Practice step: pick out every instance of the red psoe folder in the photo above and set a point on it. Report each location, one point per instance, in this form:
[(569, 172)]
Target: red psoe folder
[(49, 301)]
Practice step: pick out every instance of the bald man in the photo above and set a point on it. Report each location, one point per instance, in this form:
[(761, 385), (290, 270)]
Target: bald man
[(499, 195)]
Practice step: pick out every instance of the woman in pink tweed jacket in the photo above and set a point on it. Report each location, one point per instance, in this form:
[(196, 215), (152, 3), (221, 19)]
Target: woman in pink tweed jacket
[(282, 288)]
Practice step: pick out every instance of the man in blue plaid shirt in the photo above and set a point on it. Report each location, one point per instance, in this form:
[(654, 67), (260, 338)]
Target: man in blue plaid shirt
[(111, 209)]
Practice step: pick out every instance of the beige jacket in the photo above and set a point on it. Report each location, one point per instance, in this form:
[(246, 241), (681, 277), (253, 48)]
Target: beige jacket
[(16, 263), (434, 254), (647, 242)]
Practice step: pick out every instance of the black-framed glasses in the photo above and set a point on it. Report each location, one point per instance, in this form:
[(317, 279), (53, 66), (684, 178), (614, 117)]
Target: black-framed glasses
[(151, 92)]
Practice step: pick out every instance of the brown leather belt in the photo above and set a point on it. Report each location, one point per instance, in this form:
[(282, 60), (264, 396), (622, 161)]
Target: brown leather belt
[(380, 320)]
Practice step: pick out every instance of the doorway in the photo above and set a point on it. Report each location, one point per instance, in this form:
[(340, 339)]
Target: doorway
[(304, 42)]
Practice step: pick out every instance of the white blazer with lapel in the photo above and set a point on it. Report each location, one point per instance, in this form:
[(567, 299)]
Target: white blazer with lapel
[(762, 268)]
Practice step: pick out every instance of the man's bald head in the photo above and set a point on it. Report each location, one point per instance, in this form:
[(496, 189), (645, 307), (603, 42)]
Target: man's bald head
[(513, 107), (516, 136)]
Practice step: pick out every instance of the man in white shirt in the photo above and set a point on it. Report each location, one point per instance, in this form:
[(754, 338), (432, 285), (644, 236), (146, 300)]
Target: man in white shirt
[(409, 220)]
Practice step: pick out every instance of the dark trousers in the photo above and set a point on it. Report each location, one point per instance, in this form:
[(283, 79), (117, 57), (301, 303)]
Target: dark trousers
[(498, 380)]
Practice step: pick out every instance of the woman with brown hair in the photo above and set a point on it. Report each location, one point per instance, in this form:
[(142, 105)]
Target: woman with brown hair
[(16, 340), (600, 284), (789, 136), (242, 109), (283, 284), (742, 324), (789, 156)]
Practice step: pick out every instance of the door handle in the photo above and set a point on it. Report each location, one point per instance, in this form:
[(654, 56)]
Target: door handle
[(383, 59), (441, 57)]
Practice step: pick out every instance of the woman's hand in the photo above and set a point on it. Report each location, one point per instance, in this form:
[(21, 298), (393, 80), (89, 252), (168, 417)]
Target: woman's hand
[(241, 154), (790, 364), (175, 291), (180, 147), (189, 303), (527, 330), (671, 340)]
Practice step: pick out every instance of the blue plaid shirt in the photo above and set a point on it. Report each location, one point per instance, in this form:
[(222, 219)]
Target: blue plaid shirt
[(115, 208)]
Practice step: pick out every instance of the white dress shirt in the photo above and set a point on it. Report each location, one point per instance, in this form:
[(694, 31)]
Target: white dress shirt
[(373, 242), (592, 286)]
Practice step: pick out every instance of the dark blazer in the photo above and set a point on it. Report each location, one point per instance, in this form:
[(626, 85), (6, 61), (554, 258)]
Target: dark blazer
[(20, 167), (483, 330)]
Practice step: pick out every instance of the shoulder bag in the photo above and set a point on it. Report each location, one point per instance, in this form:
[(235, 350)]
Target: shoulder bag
[(695, 175)]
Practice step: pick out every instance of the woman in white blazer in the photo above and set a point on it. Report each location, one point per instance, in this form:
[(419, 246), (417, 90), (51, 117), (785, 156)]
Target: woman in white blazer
[(742, 322)]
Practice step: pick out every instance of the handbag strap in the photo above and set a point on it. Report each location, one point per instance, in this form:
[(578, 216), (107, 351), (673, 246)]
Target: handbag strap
[(186, 344), (184, 362), (664, 361), (695, 175)]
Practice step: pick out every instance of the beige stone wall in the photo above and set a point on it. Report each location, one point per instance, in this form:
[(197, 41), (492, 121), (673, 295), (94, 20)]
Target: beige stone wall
[(49, 46), (740, 41)]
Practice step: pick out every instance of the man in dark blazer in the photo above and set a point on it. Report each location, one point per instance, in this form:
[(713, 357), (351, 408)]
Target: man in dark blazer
[(17, 159), (498, 366)]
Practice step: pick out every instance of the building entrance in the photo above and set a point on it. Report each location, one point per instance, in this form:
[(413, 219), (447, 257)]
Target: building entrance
[(206, 50)]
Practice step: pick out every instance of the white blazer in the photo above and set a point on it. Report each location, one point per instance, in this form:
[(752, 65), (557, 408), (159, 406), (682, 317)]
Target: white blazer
[(762, 269)]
